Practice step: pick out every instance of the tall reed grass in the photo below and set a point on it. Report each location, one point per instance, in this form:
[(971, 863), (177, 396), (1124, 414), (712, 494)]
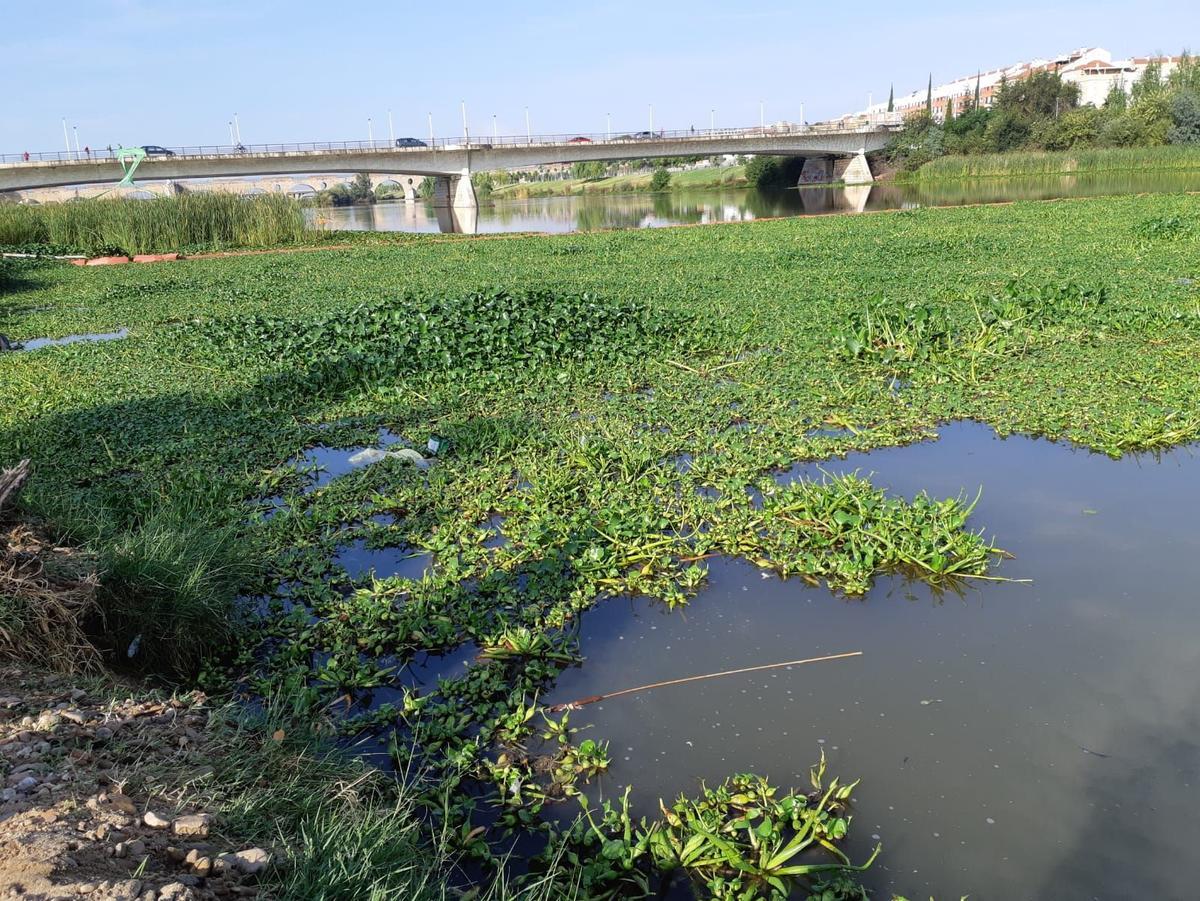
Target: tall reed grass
[(1095, 159), (206, 220)]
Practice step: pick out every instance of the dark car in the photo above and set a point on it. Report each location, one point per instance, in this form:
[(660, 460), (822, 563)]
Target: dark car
[(410, 142), (155, 150)]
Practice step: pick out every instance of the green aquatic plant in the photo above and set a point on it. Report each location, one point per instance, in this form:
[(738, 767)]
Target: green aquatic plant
[(623, 412), (742, 839), (201, 220)]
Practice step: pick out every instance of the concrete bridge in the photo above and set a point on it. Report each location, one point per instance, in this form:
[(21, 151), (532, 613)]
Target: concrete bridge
[(293, 185), (451, 161)]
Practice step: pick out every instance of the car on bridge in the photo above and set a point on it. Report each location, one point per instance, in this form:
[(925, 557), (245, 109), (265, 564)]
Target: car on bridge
[(580, 140), (155, 150), (410, 142)]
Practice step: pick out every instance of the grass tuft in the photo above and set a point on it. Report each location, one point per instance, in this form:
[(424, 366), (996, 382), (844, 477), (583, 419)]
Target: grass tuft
[(202, 220)]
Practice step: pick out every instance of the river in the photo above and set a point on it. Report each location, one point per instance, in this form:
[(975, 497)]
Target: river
[(688, 207)]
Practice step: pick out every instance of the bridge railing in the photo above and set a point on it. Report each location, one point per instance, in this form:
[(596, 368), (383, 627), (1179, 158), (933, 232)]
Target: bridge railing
[(477, 142)]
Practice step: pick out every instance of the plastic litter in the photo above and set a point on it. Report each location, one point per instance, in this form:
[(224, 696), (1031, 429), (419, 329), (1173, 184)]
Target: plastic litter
[(374, 455)]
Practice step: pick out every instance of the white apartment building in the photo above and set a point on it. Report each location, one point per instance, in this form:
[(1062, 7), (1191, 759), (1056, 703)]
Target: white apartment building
[(1092, 68)]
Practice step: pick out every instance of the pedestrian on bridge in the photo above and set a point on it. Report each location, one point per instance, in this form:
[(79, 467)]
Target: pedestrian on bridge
[(25, 156)]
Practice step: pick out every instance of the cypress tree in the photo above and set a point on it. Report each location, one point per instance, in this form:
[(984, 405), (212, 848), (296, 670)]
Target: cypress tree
[(891, 99), (949, 111), (929, 97), (977, 78)]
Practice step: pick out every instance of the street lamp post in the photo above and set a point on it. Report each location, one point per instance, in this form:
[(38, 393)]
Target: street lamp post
[(495, 132), (370, 133), (431, 129), (237, 128), (712, 120), (528, 130), (391, 131), (762, 120), (466, 131), (66, 139), (652, 117), (75, 131), (231, 139), (608, 126)]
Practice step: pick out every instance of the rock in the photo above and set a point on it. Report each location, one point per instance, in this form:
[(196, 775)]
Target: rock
[(135, 848), (128, 890), (155, 257), (196, 824), (107, 261), (202, 866), (252, 861), (176, 891), (74, 716), (123, 803), (154, 821), (27, 784)]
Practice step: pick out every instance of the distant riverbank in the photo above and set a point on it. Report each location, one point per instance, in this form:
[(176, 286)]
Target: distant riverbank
[(723, 177), (1102, 159)]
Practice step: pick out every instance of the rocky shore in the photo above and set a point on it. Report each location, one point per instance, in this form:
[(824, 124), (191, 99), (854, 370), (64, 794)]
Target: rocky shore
[(98, 799)]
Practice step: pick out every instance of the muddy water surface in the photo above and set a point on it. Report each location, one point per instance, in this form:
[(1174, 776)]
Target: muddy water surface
[(1016, 741)]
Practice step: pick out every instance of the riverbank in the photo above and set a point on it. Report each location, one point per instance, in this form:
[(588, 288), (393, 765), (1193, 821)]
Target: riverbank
[(610, 422), (1181, 157), (723, 177)]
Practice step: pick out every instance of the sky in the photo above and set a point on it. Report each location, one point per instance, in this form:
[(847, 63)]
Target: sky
[(175, 73)]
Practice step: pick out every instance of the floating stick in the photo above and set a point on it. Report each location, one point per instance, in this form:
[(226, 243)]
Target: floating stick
[(582, 702)]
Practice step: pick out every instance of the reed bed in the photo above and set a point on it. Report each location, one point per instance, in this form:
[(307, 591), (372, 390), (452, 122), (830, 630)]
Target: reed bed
[(189, 221), (1095, 159)]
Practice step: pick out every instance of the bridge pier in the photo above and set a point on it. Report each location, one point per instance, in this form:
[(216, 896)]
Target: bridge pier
[(455, 191), (817, 170), (859, 171)]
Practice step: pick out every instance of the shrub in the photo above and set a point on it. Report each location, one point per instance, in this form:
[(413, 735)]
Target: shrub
[(661, 180)]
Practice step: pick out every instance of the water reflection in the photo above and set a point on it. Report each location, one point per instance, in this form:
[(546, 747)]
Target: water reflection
[(592, 212)]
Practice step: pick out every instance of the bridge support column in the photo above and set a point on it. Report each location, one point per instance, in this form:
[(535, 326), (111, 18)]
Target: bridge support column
[(455, 191), (859, 171), (817, 170), (464, 191)]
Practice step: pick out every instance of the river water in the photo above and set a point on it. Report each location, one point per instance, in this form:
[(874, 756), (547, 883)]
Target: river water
[(1018, 740), (601, 211)]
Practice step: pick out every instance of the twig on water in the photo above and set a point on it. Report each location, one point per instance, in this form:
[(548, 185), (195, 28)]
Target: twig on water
[(583, 702)]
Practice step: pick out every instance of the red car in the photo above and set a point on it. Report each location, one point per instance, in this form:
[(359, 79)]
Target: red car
[(580, 140)]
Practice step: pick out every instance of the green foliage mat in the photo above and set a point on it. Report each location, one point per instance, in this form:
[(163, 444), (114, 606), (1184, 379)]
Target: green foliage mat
[(617, 404)]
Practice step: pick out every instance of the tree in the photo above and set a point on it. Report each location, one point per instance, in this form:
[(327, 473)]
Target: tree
[(1116, 101), (1007, 129), (1040, 95), (661, 179), (891, 99), (1149, 84), (1186, 75), (978, 78), (1185, 113), (929, 97), (360, 188), (948, 118)]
